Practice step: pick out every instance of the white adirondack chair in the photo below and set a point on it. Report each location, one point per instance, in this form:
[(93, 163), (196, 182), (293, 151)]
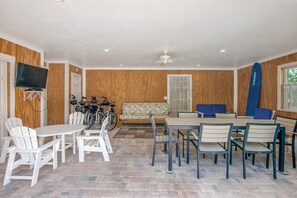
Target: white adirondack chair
[(74, 118), (9, 123), (25, 141), (95, 143)]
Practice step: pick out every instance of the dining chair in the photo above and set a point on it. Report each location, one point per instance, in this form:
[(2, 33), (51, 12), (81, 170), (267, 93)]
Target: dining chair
[(225, 115), (255, 141), (95, 143), (9, 123), (25, 143), (74, 118), (262, 113), (211, 137), (291, 127), (183, 133), (163, 139)]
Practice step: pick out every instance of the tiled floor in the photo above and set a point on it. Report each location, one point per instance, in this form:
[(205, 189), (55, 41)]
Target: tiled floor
[(130, 174)]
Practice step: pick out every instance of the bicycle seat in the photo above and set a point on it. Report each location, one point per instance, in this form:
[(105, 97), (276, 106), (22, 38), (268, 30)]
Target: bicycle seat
[(73, 102)]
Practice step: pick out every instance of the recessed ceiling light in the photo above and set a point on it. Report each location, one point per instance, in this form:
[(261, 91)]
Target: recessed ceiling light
[(222, 50), (59, 0), (121, 65), (106, 50), (198, 65)]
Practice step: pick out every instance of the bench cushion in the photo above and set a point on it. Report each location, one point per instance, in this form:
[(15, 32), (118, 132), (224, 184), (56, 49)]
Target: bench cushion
[(143, 110)]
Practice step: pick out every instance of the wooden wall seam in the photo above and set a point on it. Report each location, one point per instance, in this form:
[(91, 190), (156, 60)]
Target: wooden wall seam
[(211, 86), (28, 111), (268, 95)]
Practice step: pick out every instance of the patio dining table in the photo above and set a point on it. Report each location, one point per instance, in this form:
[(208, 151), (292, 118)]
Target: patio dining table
[(238, 123)]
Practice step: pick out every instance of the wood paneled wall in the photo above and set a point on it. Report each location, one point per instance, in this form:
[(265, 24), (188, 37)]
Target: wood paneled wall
[(55, 93), (151, 86), (268, 96), (28, 111), (77, 70)]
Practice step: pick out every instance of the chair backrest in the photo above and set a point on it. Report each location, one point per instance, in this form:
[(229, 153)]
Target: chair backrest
[(218, 108), (103, 131), (13, 122), (152, 119), (289, 123), (205, 109), (76, 118), (187, 114), (215, 132), (261, 132), (226, 115), (262, 113), (24, 138)]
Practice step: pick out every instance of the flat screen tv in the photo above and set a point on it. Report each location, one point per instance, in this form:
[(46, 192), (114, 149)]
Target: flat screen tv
[(31, 77)]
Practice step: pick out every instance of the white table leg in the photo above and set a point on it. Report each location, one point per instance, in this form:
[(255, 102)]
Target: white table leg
[(41, 140), (74, 143), (63, 147)]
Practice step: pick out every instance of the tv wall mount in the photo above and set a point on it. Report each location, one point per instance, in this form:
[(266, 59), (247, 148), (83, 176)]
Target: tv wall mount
[(31, 94)]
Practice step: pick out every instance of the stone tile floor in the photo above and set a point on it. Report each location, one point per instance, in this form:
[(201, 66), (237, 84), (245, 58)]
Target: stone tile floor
[(130, 174)]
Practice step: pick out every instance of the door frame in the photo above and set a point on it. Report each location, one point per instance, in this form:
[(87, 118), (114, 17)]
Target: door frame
[(71, 83), (11, 60), (191, 93)]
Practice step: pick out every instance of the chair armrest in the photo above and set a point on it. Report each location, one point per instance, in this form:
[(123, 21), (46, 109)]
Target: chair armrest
[(193, 134), (49, 144), (11, 148), (89, 137), (200, 114), (245, 117), (89, 132), (291, 133)]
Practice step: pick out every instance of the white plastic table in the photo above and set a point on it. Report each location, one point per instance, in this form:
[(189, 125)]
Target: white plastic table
[(60, 130)]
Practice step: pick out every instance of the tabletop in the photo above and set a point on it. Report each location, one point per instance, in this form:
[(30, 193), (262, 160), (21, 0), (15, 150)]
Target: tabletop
[(59, 129), (197, 121)]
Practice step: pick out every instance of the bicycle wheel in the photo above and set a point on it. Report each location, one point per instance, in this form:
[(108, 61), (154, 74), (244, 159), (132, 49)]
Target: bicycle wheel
[(98, 121), (112, 121), (89, 119)]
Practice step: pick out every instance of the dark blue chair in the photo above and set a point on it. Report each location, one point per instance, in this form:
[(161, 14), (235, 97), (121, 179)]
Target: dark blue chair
[(206, 110), (210, 110), (262, 113), (218, 108)]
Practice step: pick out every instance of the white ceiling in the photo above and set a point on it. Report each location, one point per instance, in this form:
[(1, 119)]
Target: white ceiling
[(136, 32)]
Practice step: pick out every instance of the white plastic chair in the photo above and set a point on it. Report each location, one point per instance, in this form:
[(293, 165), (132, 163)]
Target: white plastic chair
[(74, 118), (95, 143), (26, 145), (9, 123)]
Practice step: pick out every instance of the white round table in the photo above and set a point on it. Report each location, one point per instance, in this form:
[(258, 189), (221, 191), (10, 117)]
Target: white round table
[(60, 130)]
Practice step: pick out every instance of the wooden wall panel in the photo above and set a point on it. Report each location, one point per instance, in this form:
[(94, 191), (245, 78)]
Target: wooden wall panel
[(28, 111), (55, 94), (268, 97), (77, 70), (151, 86)]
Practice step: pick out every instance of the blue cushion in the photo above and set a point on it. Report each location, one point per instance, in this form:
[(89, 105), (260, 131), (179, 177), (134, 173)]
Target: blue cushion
[(218, 108), (261, 113), (205, 109)]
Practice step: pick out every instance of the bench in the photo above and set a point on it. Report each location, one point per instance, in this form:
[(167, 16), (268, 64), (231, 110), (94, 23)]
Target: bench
[(140, 112)]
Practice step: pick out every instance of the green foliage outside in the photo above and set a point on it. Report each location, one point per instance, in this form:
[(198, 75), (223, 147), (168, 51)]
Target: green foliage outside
[(292, 75)]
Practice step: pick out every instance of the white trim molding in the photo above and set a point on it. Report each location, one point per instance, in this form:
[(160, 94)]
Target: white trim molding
[(235, 94), (155, 68), (84, 82), (22, 43), (268, 59), (66, 95), (11, 61), (279, 77)]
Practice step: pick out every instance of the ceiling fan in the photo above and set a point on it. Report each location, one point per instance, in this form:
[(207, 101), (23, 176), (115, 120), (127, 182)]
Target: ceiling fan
[(164, 59)]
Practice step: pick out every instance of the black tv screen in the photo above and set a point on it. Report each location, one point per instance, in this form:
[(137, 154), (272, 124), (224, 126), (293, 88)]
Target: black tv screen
[(31, 77)]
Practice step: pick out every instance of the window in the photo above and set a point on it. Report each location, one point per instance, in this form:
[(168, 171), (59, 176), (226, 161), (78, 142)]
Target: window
[(287, 87)]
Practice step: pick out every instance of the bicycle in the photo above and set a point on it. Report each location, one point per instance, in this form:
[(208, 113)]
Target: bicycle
[(97, 119)]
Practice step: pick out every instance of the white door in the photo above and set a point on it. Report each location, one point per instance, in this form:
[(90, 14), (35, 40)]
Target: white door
[(179, 93), (3, 100), (75, 87)]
